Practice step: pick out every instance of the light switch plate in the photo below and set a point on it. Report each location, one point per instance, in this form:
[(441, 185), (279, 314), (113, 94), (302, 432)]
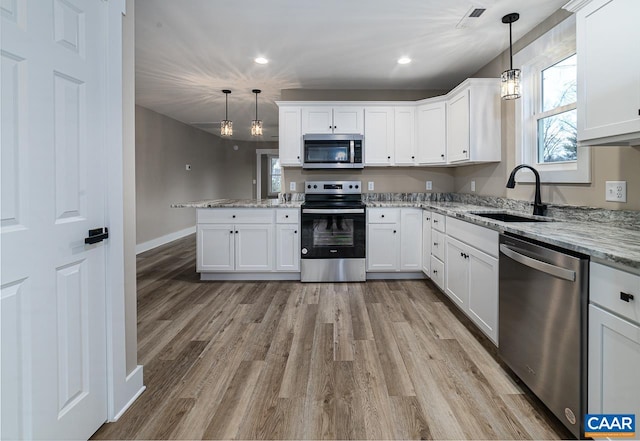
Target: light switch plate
[(292, 186), (616, 191), (187, 167), (370, 186), (473, 185), (429, 185)]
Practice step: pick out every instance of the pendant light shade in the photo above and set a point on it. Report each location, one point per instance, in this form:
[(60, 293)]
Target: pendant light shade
[(510, 79), (226, 126), (256, 124)]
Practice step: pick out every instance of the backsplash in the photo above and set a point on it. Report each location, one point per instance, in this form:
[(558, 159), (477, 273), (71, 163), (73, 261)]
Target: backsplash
[(620, 218)]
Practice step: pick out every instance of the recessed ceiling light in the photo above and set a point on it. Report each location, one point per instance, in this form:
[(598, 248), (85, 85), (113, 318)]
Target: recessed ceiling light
[(404, 60), (261, 60)]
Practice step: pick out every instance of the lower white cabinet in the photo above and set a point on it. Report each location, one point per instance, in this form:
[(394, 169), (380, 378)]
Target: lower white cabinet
[(287, 247), (229, 247), (426, 243), (394, 239)]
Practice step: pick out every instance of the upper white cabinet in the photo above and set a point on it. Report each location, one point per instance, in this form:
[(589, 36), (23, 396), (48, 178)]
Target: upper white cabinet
[(290, 136), (379, 136), (336, 119), (607, 41), (431, 145), (473, 122), (405, 135)]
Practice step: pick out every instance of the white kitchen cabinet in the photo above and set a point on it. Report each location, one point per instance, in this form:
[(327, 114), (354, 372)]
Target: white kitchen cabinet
[(287, 239), (431, 143), (426, 242), (437, 272), (394, 239), (290, 136), (405, 136), (332, 119), (473, 122), (614, 340), (379, 136), (215, 247), (607, 41), (254, 247)]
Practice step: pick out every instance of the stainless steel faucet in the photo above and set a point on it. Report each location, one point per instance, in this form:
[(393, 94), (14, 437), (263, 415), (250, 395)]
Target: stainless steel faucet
[(539, 209)]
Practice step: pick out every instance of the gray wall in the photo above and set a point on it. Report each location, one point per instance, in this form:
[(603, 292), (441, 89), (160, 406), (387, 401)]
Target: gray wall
[(607, 163), (163, 147)]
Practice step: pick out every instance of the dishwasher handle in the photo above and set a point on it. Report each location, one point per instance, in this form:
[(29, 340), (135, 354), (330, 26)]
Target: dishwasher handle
[(553, 270)]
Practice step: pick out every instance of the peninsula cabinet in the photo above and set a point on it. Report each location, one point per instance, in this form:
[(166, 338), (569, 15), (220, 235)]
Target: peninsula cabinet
[(431, 143), (290, 136), (607, 40), (336, 119), (614, 340), (473, 122)]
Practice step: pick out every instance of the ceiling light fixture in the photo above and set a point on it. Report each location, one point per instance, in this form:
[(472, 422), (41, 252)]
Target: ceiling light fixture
[(261, 60), (404, 60), (256, 124), (510, 79), (226, 126)]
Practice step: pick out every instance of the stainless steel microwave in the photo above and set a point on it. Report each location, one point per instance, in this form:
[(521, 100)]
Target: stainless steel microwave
[(333, 151)]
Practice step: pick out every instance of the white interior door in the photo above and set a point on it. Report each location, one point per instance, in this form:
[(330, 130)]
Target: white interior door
[(53, 191)]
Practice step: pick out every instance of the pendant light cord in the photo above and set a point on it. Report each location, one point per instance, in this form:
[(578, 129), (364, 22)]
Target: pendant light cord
[(510, 49)]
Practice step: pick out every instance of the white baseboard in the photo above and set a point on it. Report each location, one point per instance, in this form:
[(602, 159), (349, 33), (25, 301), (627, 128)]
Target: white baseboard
[(153, 243), (396, 276), (135, 387)]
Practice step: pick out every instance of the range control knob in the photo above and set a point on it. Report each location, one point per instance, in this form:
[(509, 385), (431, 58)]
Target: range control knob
[(309, 186), (350, 186), (304, 251), (357, 186), (315, 186)]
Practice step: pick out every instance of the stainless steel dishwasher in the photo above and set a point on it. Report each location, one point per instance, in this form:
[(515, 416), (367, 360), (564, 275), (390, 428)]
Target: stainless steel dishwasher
[(543, 323)]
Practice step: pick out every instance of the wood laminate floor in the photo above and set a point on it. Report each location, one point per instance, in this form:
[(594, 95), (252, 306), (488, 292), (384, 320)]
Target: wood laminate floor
[(287, 360)]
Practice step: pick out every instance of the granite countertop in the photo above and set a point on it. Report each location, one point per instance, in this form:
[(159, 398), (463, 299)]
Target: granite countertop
[(238, 203), (608, 243)]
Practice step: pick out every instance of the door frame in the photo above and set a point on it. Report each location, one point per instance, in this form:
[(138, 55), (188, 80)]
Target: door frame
[(259, 153), (122, 387)]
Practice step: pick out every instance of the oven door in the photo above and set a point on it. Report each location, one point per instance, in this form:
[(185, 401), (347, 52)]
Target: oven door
[(333, 233)]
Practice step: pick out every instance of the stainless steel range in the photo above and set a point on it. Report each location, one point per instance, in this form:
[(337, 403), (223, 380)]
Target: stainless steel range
[(333, 232)]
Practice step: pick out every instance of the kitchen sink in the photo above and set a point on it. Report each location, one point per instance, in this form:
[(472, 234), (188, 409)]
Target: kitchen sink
[(506, 217)]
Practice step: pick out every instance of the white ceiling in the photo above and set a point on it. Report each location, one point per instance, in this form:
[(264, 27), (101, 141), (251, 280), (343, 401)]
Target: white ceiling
[(187, 51)]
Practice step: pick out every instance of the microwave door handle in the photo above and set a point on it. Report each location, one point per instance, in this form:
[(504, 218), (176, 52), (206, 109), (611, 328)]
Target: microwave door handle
[(353, 150)]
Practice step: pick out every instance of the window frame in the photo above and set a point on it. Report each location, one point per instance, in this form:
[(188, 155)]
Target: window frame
[(554, 46), (270, 192)]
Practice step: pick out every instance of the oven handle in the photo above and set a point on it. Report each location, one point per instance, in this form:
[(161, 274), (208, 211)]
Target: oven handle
[(553, 270), (333, 210)]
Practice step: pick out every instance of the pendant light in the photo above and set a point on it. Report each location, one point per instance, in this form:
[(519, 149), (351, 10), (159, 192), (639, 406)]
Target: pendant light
[(226, 126), (510, 79), (256, 124)]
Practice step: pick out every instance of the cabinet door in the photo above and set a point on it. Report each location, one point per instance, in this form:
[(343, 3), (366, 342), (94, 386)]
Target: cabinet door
[(382, 247), (456, 272), (215, 247), (254, 247), (432, 133), (405, 139), (287, 247), (348, 120), (614, 362), (378, 135), (458, 127), (290, 136), (410, 239), (426, 243), (608, 36), (483, 292), (317, 120)]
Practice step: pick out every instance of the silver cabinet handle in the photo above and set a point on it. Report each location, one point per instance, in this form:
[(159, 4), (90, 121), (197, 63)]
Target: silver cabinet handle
[(556, 271)]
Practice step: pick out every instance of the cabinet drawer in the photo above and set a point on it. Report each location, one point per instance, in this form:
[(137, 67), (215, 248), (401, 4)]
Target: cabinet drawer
[(438, 222), (437, 272), (287, 215), (482, 238), (437, 244), (383, 215), (235, 216), (606, 285)]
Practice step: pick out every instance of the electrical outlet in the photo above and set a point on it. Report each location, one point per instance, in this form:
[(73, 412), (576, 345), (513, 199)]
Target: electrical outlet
[(370, 186), (187, 167), (292, 186), (429, 185), (616, 191), (473, 185)]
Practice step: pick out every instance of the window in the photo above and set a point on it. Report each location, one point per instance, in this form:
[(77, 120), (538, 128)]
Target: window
[(275, 175), (546, 115)]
